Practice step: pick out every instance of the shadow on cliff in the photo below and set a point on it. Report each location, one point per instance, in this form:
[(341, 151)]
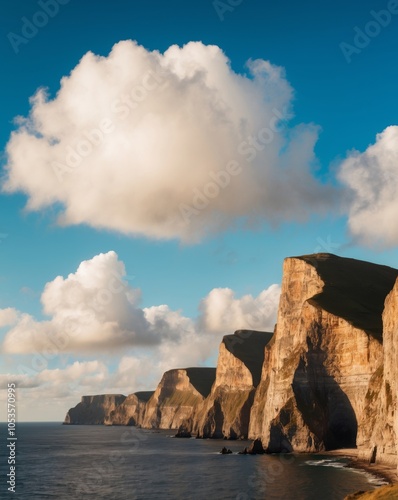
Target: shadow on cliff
[(318, 402), (324, 407), (237, 404)]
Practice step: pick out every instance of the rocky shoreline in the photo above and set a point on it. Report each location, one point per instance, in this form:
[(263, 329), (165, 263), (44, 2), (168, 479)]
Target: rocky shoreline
[(382, 470)]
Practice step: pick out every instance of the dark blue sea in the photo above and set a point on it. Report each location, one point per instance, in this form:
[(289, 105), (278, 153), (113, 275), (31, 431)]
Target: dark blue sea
[(55, 461)]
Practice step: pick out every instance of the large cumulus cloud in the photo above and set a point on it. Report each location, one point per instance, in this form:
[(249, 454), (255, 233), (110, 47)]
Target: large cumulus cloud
[(372, 180), (93, 309), (171, 145)]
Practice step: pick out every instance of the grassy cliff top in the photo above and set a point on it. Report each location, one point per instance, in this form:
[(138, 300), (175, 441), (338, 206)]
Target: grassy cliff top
[(354, 289), (248, 346)]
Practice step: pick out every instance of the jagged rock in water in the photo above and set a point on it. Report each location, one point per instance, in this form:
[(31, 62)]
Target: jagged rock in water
[(256, 448), (93, 410), (179, 392), (183, 433), (131, 411), (325, 353), (225, 412)]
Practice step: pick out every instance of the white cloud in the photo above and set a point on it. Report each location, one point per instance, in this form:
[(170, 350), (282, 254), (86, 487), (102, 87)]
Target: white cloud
[(96, 310), (93, 309), (372, 178), (132, 139), (222, 312), (8, 316)]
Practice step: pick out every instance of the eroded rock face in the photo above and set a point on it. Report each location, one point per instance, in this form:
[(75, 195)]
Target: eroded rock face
[(131, 411), (378, 437), (226, 411), (94, 410), (390, 322), (326, 349), (179, 392)]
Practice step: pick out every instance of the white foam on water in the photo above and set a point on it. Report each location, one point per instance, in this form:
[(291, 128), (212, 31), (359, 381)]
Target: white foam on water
[(327, 462), (375, 480)]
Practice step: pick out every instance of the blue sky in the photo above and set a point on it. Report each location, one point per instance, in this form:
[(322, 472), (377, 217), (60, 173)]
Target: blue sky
[(349, 103)]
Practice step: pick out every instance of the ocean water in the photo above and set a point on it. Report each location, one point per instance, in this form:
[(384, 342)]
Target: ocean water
[(55, 461)]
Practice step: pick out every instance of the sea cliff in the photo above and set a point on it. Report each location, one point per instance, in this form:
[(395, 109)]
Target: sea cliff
[(130, 411), (179, 392), (93, 410)]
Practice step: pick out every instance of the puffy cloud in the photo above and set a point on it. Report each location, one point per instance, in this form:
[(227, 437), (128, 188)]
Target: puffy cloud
[(223, 312), (96, 310), (93, 309), (372, 178), (8, 316), (140, 142)]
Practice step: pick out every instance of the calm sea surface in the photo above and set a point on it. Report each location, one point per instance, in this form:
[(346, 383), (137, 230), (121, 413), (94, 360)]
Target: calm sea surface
[(76, 462)]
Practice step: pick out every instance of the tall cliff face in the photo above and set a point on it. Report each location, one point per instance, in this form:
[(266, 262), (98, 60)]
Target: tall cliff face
[(378, 437), (94, 410), (226, 411), (179, 392), (131, 411), (390, 333), (326, 349)]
